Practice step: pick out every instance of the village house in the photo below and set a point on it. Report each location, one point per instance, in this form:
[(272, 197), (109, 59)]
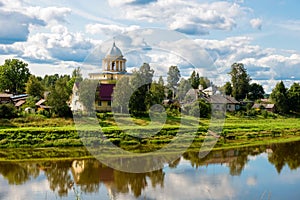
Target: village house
[(221, 102)]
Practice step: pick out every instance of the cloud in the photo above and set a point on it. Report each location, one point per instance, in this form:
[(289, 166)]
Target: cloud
[(129, 2), (15, 26), (256, 23), (188, 17), (108, 29)]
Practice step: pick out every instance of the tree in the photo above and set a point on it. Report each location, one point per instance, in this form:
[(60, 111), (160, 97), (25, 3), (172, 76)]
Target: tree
[(204, 82), (50, 80), (58, 97), (140, 83), (184, 87), (240, 81), (7, 111), (173, 78), (161, 81), (195, 80), (157, 93), (121, 95), (76, 78), (227, 88), (13, 76), (88, 94), (256, 91), (294, 97), (34, 87), (279, 97)]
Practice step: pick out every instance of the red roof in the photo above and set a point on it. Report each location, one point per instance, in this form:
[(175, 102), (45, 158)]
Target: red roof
[(106, 91)]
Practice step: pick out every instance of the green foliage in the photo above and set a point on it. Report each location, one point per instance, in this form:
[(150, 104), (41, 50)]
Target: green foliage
[(8, 111), (240, 81), (34, 87), (280, 98), (227, 88), (13, 76), (157, 93), (256, 91), (294, 97), (141, 81), (50, 80), (121, 95), (184, 87), (88, 94), (173, 78), (58, 97), (204, 82), (76, 78), (195, 80)]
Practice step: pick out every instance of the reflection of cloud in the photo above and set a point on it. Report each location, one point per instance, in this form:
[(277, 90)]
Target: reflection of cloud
[(252, 181)]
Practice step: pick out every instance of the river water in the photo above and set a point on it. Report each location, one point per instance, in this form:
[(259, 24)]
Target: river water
[(261, 172)]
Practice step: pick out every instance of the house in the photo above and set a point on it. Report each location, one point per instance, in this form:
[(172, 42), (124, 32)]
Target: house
[(221, 102), (42, 106), (74, 103), (267, 107), (270, 107), (5, 98), (19, 100)]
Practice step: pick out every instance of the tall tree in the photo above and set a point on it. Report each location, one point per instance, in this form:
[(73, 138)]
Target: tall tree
[(34, 87), (121, 95), (87, 93), (204, 82), (240, 81), (195, 80), (173, 78), (76, 77), (58, 97), (256, 91), (161, 81), (183, 88), (50, 80), (141, 81), (279, 97), (157, 93), (227, 88), (13, 76), (294, 97)]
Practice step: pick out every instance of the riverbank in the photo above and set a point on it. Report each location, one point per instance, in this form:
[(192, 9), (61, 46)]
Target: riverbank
[(37, 132)]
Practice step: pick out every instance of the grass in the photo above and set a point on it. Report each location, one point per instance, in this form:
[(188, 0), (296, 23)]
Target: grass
[(39, 132)]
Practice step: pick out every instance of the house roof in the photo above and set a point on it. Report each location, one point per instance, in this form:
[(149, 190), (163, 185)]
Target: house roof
[(257, 105), (5, 95), (105, 91), (270, 106), (20, 96), (19, 103), (220, 99), (40, 102)]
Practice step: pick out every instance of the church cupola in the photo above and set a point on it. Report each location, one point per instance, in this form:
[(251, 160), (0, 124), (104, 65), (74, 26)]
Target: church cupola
[(114, 60)]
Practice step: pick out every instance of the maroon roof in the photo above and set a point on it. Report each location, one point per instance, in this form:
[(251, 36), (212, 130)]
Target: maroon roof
[(106, 91)]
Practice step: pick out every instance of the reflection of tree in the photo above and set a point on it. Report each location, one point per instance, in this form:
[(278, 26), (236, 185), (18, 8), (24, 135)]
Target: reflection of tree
[(59, 177), (286, 153), (15, 173), (137, 181), (235, 158)]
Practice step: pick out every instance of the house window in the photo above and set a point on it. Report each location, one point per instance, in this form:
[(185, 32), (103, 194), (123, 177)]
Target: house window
[(109, 103), (99, 103)]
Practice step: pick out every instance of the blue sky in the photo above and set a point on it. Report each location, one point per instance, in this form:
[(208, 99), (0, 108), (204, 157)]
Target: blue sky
[(56, 36)]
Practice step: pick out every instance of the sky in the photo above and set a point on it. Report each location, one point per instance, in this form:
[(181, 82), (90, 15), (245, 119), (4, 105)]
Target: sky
[(59, 35)]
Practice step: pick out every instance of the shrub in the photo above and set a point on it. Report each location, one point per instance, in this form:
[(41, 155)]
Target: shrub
[(8, 111)]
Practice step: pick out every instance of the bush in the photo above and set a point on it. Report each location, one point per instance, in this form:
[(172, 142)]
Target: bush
[(8, 111)]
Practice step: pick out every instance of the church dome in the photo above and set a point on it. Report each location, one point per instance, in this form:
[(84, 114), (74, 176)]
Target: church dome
[(114, 51)]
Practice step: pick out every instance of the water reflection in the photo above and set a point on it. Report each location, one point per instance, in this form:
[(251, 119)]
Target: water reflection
[(89, 176)]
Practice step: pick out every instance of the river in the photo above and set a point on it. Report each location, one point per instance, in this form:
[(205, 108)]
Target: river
[(261, 172)]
